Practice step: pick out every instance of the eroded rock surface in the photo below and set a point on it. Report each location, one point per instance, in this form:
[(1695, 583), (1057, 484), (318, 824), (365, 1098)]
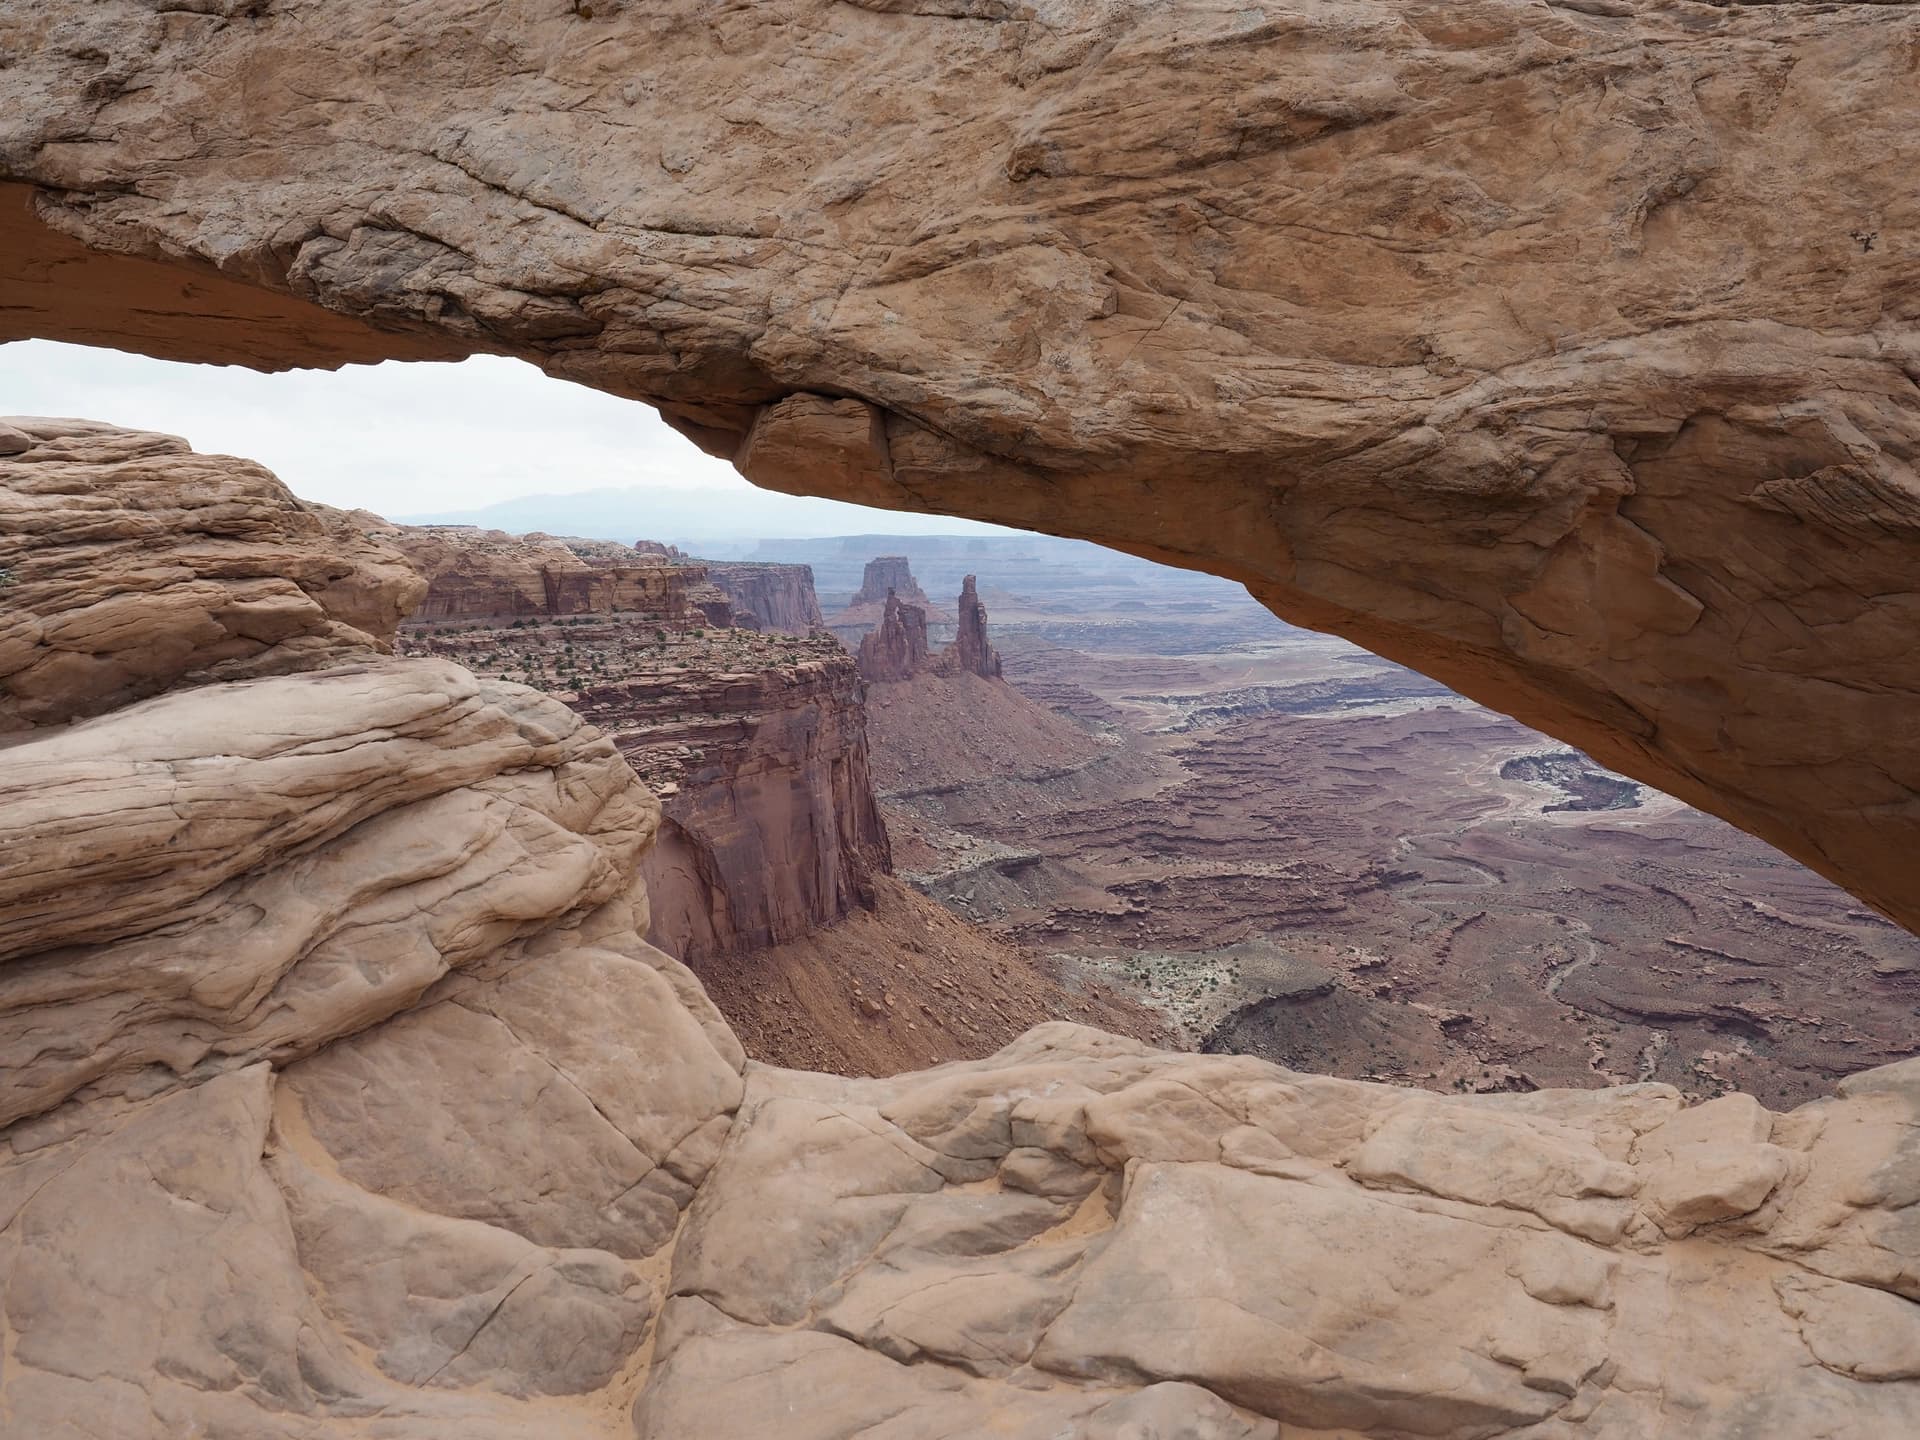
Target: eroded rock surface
[(478, 574), (1565, 352), (896, 648), (887, 577), (755, 743), (971, 651), (344, 1100), (131, 564), (778, 597), (773, 829)]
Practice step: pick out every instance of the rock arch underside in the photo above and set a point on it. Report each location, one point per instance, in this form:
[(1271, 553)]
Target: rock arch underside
[(1569, 352)]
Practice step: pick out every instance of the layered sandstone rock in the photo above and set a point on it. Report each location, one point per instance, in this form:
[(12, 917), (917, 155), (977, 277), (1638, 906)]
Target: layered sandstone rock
[(129, 565), (478, 574), (772, 830), (1083, 1237), (1621, 444), (887, 576), (343, 1099), (777, 597), (756, 744), (971, 652), (770, 874), (896, 648)]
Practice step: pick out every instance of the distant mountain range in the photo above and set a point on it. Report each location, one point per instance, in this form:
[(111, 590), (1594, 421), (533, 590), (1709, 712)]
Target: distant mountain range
[(701, 518)]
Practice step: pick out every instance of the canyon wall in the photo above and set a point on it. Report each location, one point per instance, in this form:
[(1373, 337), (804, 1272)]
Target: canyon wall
[(755, 742), (770, 873), (1622, 445), (772, 831), (342, 1098), (478, 574), (778, 597)]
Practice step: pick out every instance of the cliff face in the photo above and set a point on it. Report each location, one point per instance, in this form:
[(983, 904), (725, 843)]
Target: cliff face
[(886, 577), (755, 743), (489, 574), (772, 830), (777, 597), (1623, 449), (338, 1089), (896, 648)]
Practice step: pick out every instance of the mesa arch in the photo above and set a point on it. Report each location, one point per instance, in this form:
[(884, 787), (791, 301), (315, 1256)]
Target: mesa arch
[(1567, 352)]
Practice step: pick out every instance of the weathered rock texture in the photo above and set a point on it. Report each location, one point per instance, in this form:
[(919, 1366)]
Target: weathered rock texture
[(896, 648), (770, 874), (971, 650), (1565, 352), (777, 597), (129, 564), (772, 830), (342, 1099), (488, 574), (887, 576), (755, 743)]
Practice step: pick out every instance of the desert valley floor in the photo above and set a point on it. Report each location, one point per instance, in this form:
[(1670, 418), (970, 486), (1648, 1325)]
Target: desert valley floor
[(1310, 854), (1197, 825)]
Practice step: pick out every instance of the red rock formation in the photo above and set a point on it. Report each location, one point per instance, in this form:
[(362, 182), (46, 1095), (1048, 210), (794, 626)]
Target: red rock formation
[(771, 829), (896, 648), (887, 575), (1622, 448), (756, 745), (342, 1086), (970, 651), (777, 597), (488, 574)]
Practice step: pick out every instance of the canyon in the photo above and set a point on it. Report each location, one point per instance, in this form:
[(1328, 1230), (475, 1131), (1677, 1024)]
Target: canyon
[(770, 873), (1568, 354), (1621, 449), (323, 988), (1300, 851)]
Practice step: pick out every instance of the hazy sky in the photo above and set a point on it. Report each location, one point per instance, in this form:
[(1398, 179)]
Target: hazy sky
[(398, 438)]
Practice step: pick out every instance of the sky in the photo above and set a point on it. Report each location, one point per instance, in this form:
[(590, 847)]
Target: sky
[(418, 438)]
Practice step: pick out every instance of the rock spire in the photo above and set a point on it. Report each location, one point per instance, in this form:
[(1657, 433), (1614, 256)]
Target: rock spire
[(970, 650)]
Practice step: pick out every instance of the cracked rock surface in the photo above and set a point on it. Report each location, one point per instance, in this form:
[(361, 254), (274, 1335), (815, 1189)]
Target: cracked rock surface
[(344, 1100), (1569, 352)]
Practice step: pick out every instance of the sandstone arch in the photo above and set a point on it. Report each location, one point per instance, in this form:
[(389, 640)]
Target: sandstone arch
[(1570, 353)]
